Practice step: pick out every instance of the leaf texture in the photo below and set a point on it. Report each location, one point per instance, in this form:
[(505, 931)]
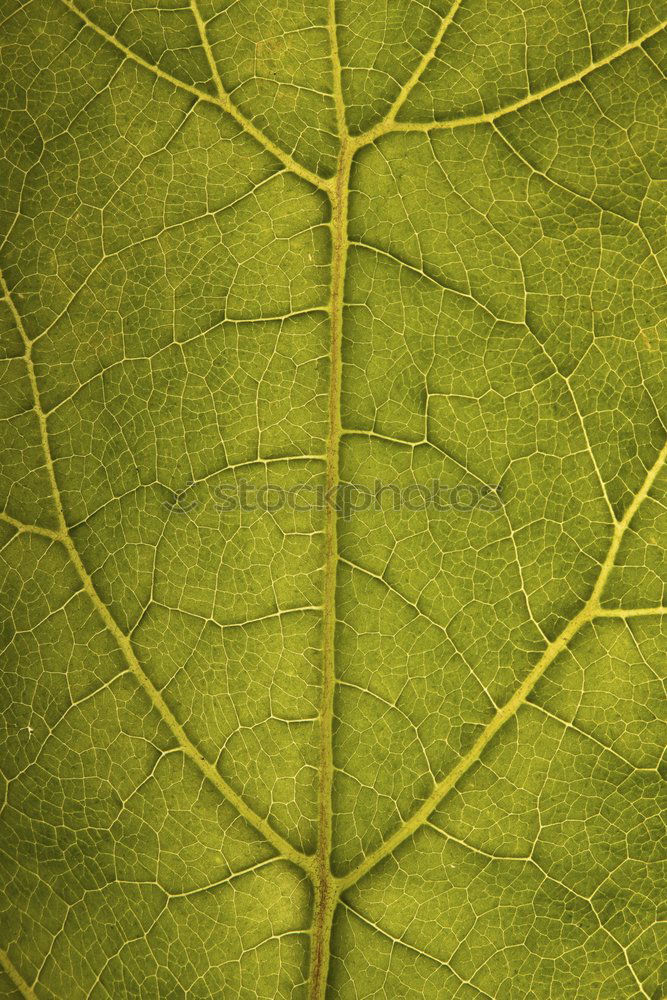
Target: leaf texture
[(326, 751)]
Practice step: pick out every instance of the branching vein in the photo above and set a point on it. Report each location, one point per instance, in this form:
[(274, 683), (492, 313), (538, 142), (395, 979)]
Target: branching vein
[(587, 614), (124, 644), (388, 126), (222, 99)]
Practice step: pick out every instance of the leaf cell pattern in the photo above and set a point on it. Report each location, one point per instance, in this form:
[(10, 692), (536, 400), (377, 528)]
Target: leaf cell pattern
[(410, 753)]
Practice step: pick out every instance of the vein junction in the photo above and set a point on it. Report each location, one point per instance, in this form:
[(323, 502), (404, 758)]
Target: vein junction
[(328, 889)]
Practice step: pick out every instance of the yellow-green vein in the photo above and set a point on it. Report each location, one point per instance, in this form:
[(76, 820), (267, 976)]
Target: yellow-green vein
[(420, 69), (587, 614), (281, 845), (222, 100), (325, 887), (387, 126), (17, 979)]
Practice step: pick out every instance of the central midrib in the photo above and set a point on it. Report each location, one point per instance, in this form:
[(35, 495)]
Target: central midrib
[(326, 890), (327, 887)]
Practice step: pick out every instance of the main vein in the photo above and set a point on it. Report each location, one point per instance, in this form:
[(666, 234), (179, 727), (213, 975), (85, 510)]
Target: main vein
[(122, 640), (325, 884), (386, 126), (327, 887)]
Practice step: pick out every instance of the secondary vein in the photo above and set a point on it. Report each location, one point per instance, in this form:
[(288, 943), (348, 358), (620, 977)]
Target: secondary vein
[(587, 614), (421, 67), (17, 979), (123, 642), (221, 99), (388, 125)]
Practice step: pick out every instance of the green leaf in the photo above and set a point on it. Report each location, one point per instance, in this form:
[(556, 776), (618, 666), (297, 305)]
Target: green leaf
[(334, 491)]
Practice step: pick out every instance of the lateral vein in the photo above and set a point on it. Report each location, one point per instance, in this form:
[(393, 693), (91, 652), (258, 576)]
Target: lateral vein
[(17, 979), (386, 127), (221, 100), (30, 529), (588, 613), (421, 67), (123, 641)]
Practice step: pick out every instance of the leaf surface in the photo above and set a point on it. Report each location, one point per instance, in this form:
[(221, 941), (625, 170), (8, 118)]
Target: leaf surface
[(261, 745)]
